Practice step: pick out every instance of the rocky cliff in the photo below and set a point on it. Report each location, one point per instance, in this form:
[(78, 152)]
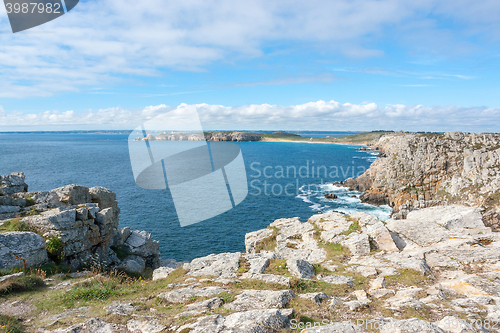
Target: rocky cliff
[(423, 170), (72, 225)]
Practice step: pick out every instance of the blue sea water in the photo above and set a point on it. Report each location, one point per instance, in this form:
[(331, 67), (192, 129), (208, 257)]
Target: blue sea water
[(305, 170)]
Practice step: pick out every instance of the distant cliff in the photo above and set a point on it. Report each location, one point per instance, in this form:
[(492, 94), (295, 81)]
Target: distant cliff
[(422, 170)]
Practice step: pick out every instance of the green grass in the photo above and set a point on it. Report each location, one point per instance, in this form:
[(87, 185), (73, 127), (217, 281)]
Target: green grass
[(226, 297), (16, 225), (278, 267), (55, 249), (97, 289), (30, 201), (11, 324), (354, 227), (268, 243), (21, 284), (407, 277)]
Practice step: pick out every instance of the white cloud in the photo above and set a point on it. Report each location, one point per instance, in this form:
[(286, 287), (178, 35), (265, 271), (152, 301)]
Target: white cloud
[(320, 115), (100, 41)]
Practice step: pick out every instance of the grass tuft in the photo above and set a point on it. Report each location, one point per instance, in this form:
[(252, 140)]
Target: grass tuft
[(21, 284), (11, 324)]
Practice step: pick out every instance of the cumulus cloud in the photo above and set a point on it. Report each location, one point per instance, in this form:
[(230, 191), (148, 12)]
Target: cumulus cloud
[(320, 115), (104, 40)]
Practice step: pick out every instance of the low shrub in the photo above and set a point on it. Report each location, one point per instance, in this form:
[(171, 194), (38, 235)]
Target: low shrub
[(16, 225), (97, 289), (55, 249)]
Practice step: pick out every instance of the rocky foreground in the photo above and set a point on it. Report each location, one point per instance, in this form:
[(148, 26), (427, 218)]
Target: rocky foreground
[(438, 270)]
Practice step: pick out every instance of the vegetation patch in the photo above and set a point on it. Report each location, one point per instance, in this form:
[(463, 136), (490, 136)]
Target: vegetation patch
[(354, 227), (55, 249), (30, 201), (11, 324), (226, 297), (268, 243), (278, 267), (244, 266), (16, 225), (96, 289), (407, 277), (21, 284)]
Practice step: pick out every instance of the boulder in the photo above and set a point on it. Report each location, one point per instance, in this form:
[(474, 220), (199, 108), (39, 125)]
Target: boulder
[(337, 279), (13, 183), (162, 273), (223, 265), (330, 196), (261, 299), (120, 308), (73, 194), (16, 246), (450, 217), (133, 264), (358, 244), (141, 244), (317, 298), (145, 326), (300, 268)]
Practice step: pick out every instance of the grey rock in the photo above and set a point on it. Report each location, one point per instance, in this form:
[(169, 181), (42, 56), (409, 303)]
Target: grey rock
[(258, 321), (94, 325), (120, 308), (358, 244), (450, 324), (133, 264), (26, 245), (261, 299), (207, 324), (224, 265), (450, 217), (73, 194), (252, 239), (185, 294), (336, 328), (170, 263), (9, 209), (162, 273), (13, 183), (356, 305), (145, 326), (337, 279), (140, 243), (201, 307), (391, 325), (317, 298), (300, 268), (268, 278), (11, 276), (104, 197)]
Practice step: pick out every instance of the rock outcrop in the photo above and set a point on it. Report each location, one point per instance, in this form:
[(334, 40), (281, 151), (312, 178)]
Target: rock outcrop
[(72, 225)]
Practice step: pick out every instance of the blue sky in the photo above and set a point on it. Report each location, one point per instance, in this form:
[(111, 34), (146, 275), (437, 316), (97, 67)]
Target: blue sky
[(318, 65)]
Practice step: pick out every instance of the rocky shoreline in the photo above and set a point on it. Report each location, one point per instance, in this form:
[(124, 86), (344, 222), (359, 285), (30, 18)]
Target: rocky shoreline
[(438, 270), (423, 170)]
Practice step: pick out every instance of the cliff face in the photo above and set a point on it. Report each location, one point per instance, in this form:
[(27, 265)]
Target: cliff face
[(422, 170)]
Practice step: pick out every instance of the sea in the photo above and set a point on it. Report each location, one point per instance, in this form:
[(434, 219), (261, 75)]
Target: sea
[(285, 179)]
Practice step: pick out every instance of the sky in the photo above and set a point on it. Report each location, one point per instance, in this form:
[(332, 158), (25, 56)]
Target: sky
[(334, 65)]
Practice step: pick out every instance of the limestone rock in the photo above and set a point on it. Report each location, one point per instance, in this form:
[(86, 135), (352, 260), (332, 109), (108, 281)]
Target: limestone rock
[(268, 278), (224, 265), (73, 194), (120, 308), (358, 244), (13, 183), (300, 268), (317, 298), (261, 299), (26, 245), (252, 239), (162, 273), (145, 326), (185, 294), (336, 328), (337, 279), (140, 243)]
